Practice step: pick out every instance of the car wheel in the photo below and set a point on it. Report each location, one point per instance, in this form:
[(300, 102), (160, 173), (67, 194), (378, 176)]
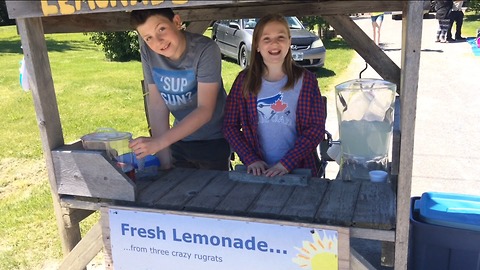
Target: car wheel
[(242, 56)]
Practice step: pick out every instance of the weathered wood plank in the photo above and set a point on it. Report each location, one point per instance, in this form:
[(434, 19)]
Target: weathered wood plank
[(198, 27), (239, 198), (296, 177), (396, 137), (73, 202), (411, 47), (90, 174), (107, 243), (365, 47), (75, 216), (372, 234), (304, 201), (31, 9), (85, 250), (177, 197), (338, 205), (210, 196), (375, 207), (48, 118), (287, 179), (119, 21), (271, 201), (163, 185)]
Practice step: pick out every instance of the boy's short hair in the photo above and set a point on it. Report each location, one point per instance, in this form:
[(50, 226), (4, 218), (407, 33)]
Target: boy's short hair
[(138, 17)]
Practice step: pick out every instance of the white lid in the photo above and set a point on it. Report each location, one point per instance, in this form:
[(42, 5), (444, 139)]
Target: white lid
[(107, 134)]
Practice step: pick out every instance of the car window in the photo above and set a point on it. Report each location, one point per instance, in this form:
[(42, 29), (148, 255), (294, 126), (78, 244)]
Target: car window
[(293, 23), (250, 23)]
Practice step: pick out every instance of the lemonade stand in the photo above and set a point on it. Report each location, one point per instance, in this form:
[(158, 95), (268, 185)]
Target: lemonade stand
[(196, 219)]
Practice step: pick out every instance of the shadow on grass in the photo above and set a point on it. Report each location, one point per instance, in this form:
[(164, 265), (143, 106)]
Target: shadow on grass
[(472, 18), (330, 44), (336, 43), (323, 72), (14, 46), (230, 60)]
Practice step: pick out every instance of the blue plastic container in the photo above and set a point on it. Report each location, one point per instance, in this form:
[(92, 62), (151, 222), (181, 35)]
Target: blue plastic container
[(442, 243), (150, 160), (449, 209)]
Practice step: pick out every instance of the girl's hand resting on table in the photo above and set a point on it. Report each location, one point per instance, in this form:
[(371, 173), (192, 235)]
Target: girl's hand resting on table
[(257, 168), (261, 168), (277, 169)]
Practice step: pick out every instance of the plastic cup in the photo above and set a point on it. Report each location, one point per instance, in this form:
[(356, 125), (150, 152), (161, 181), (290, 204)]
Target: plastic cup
[(378, 176)]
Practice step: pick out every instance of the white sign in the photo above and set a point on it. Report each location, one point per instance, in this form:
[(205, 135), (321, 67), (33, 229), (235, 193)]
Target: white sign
[(152, 240)]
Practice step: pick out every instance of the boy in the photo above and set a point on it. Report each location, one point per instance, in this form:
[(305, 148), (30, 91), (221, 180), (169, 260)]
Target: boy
[(183, 74)]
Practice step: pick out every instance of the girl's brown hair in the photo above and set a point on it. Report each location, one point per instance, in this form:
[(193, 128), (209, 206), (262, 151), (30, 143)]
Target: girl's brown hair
[(254, 72)]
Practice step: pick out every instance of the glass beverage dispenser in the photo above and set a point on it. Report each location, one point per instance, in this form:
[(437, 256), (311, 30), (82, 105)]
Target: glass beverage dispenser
[(365, 117)]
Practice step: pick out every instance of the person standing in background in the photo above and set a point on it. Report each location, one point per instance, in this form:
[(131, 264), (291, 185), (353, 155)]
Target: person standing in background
[(377, 20), (456, 16), (443, 9)]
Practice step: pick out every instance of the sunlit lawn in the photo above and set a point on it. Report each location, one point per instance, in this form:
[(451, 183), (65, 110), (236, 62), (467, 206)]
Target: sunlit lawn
[(91, 93)]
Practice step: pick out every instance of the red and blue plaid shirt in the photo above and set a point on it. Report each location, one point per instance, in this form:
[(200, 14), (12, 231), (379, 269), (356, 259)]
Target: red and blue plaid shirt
[(240, 126)]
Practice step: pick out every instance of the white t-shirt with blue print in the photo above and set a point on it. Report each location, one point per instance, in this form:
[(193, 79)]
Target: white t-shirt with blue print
[(277, 119)]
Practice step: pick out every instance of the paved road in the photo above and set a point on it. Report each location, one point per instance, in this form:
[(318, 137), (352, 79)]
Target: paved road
[(447, 129), (447, 133)]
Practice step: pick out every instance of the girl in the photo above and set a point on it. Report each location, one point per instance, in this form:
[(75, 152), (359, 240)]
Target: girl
[(377, 20), (274, 115)]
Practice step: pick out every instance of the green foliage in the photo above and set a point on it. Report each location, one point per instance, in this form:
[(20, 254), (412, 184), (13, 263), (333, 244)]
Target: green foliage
[(474, 6), (118, 46), (316, 22)]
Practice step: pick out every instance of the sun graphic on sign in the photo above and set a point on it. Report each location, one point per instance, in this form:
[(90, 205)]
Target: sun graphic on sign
[(321, 253)]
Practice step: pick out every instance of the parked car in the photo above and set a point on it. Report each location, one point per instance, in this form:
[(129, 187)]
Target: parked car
[(234, 37)]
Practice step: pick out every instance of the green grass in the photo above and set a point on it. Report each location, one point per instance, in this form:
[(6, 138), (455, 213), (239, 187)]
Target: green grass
[(471, 23), (91, 93)]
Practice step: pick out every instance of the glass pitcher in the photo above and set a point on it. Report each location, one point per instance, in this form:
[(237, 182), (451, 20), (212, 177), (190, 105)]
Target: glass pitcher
[(365, 116)]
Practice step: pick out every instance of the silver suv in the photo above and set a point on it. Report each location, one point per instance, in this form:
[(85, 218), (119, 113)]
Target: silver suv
[(234, 37)]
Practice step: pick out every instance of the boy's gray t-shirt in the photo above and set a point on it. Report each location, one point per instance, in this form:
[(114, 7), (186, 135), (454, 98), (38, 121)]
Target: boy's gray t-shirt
[(277, 112), (177, 81)]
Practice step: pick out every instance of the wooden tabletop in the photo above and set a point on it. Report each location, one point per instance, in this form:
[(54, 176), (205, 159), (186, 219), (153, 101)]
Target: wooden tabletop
[(361, 204)]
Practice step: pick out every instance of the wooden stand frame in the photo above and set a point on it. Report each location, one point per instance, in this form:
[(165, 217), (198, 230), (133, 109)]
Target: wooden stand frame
[(34, 21)]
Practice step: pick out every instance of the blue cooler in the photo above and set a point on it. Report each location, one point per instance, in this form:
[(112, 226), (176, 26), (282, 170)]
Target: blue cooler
[(445, 232)]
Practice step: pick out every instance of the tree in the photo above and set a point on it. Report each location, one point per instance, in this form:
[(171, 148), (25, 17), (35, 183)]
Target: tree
[(4, 19), (323, 28), (118, 46), (474, 5)]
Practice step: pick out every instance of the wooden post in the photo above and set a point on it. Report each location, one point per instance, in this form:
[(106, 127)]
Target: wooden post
[(411, 46), (48, 118), (198, 27)]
